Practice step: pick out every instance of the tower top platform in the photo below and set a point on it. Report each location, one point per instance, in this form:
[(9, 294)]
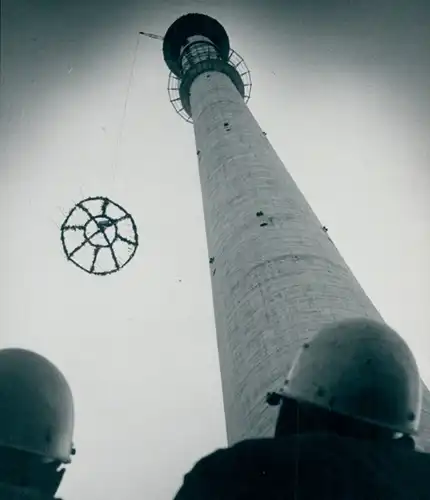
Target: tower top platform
[(190, 25)]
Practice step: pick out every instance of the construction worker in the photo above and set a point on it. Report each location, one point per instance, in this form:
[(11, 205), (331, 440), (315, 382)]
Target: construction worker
[(36, 426), (349, 410)]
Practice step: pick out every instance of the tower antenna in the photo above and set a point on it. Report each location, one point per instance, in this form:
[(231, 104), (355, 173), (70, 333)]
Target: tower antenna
[(151, 35)]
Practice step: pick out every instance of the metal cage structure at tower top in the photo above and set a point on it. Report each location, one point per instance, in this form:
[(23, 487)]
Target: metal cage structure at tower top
[(234, 60)]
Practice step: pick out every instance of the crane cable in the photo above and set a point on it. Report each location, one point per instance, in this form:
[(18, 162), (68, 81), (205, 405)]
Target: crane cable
[(124, 111)]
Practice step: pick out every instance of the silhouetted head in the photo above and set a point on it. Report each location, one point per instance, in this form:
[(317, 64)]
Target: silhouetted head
[(36, 421), (356, 378)]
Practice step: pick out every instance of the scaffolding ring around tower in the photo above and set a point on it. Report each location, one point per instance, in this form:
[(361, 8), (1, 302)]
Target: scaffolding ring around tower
[(234, 60)]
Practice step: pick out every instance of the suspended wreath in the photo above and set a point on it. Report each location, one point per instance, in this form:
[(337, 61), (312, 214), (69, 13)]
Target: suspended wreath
[(99, 236)]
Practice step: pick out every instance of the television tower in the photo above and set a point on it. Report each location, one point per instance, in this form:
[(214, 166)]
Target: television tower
[(277, 277)]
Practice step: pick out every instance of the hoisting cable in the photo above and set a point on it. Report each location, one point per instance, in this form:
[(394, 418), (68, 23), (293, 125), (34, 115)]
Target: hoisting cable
[(124, 111)]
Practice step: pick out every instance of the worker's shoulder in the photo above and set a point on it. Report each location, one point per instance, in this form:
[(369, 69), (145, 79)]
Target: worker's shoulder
[(253, 453), (311, 447), (366, 458), (303, 461), (10, 492), (318, 458), (284, 446)]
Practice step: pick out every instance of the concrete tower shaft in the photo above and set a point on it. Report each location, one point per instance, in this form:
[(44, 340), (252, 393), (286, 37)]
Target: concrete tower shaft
[(277, 277)]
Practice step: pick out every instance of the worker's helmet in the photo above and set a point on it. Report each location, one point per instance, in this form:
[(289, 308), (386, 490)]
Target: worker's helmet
[(361, 369), (36, 406)]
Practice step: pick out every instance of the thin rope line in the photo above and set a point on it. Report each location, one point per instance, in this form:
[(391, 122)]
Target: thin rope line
[(124, 111)]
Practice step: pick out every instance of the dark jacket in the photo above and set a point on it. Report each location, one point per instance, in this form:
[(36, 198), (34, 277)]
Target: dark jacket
[(309, 467), (10, 492)]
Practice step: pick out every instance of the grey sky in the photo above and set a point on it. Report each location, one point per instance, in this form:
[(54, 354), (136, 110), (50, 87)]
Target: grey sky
[(342, 92)]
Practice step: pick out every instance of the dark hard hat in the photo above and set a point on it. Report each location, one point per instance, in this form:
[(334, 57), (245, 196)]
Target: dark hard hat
[(36, 406), (362, 369)]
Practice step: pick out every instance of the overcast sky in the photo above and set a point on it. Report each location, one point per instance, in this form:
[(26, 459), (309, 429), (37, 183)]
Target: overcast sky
[(342, 90)]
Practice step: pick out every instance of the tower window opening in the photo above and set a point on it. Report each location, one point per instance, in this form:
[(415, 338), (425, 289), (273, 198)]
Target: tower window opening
[(197, 52)]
